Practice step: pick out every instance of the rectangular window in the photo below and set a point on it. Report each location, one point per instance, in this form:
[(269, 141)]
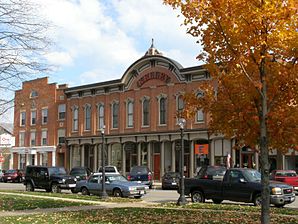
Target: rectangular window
[(22, 139), (23, 118), (44, 114), (130, 114), (22, 163), (33, 117), (32, 138), (61, 111), (115, 112), (44, 137), (88, 118), (200, 116), (61, 136), (75, 119)]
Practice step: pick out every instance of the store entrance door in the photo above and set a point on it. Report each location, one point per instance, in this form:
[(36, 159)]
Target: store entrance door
[(156, 170)]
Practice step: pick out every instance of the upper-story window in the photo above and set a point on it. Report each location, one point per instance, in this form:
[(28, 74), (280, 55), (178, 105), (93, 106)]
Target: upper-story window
[(162, 110), (100, 116), (75, 118), (33, 94), (44, 137), (200, 113), (21, 138), (22, 118), (61, 111), (145, 112), (130, 113), (33, 117), (180, 105), (44, 114), (115, 114), (87, 117), (32, 138), (61, 136)]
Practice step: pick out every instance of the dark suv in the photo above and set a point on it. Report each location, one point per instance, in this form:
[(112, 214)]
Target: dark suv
[(52, 179), (80, 173), (141, 174)]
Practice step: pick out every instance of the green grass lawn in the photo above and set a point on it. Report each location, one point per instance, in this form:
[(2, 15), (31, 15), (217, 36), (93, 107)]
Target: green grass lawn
[(164, 213), (149, 215)]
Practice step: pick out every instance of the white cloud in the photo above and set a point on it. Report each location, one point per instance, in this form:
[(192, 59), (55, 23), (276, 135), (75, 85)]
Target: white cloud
[(106, 37), (59, 58)]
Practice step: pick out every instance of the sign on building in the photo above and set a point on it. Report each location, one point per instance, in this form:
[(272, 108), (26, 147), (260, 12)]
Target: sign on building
[(7, 140)]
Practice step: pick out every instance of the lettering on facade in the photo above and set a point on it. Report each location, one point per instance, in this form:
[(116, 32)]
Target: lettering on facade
[(153, 75)]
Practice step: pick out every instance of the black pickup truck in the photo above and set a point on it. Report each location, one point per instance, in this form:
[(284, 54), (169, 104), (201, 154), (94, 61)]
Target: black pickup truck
[(238, 184)]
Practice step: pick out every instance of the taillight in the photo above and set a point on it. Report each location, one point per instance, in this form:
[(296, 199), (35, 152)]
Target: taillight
[(128, 177)]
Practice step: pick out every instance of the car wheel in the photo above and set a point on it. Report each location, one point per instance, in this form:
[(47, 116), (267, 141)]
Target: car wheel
[(217, 201), (56, 188), (257, 200), (85, 191), (137, 197), (197, 196), (117, 193), (29, 187)]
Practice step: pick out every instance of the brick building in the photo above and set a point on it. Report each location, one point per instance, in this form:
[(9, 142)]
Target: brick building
[(39, 124), (57, 125)]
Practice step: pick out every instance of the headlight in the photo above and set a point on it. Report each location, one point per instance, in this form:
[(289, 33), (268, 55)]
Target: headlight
[(75, 179), (63, 180), (132, 188), (276, 190)]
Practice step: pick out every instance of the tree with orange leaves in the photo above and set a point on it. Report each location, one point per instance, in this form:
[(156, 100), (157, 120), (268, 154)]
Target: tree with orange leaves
[(251, 51)]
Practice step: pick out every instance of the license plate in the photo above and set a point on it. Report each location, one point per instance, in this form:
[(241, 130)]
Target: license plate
[(71, 185)]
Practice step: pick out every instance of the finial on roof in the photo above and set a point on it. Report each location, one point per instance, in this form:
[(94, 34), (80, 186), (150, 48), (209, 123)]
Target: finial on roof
[(152, 50)]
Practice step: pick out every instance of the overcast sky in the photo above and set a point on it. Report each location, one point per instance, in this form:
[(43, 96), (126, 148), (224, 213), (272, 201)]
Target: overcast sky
[(97, 40)]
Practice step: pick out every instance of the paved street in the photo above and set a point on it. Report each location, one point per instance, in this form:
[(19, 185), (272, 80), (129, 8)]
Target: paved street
[(154, 195)]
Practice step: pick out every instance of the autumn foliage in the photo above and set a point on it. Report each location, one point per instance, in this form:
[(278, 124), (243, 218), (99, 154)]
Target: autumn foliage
[(249, 46)]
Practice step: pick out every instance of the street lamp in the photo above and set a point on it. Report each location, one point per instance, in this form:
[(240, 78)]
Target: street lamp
[(103, 182), (182, 199)]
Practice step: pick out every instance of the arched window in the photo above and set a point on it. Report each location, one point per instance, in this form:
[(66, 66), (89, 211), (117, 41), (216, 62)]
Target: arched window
[(75, 118), (162, 111), (100, 116), (87, 117), (115, 115), (200, 113), (145, 112), (130, 114)]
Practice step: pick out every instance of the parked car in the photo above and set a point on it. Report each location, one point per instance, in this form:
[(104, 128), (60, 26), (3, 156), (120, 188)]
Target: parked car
[(238, 184), (116, 185), (108, 169), (1, 175), (287, 176), (170, 180), (52, 179), (212, 172), (13, 175), (80, 173), (141, 174)]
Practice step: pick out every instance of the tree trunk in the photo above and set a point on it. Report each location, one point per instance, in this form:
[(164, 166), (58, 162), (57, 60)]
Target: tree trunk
[(265, 213)]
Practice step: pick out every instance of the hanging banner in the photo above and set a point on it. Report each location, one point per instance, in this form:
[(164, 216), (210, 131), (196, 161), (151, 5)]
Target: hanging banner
[(201, 149)]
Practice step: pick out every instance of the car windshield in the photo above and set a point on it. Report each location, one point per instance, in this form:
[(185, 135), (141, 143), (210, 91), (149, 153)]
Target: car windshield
[(139, 169), (78, 172), (10, 171), (116, 178), (286, 174), (172, 174), (253, 175), (57, 171)]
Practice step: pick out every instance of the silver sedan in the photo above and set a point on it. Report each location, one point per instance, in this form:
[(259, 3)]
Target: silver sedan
[(116, 185)]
